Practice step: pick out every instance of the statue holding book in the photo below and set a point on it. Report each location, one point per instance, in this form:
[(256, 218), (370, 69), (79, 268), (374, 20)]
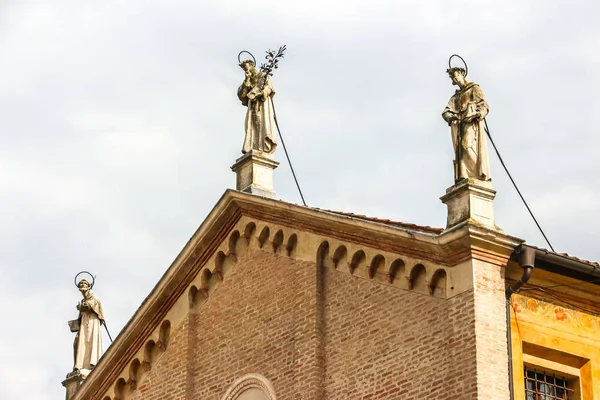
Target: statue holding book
[(88, 341)]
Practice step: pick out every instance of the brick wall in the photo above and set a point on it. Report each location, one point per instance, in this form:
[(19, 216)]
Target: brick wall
[(384, 343), (261, 319), (167, 379), (318, 333)]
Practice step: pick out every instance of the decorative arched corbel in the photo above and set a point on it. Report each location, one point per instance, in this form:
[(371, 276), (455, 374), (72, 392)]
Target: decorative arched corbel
[(416, 273), (376, 264), (291, 245), (339, 256), (438, 279), (397, 267)]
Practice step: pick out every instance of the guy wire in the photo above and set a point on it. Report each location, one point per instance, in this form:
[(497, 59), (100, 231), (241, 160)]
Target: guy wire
[(106, 327), (487, 130), (286, 153)]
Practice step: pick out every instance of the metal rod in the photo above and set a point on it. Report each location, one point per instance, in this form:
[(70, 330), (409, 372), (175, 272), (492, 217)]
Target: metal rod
[(286, 153), (487, 130), (106, 327)]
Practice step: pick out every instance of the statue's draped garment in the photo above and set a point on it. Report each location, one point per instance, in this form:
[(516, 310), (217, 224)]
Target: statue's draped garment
[(89, 338), (474, 160), (260, 119)]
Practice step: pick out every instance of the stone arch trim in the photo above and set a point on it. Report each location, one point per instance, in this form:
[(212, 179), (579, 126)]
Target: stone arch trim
[(264, 236), (400, 271), (340, 255), (121, 389), (418, 274), (358, 259), (438, 280), (250, 381), (397, 268), (323, 254), (278, 240), (377, 264), (291, 245)]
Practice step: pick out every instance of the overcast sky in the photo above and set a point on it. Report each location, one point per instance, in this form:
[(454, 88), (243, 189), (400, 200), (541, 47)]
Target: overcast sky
[(119, 122)]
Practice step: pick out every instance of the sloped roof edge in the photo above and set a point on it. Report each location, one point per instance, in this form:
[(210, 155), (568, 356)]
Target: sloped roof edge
[(223, 215)]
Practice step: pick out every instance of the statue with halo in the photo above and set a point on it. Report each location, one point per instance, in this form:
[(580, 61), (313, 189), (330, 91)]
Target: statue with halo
[(88, 341), (465, 114), (256, 93)]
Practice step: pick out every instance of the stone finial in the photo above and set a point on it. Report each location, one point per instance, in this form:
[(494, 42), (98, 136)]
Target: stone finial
[(470, 201)]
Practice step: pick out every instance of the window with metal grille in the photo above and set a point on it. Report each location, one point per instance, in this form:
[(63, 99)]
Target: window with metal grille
[(543, 386)]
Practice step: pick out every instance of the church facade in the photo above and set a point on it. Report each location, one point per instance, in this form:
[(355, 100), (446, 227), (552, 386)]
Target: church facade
[(270, 300)]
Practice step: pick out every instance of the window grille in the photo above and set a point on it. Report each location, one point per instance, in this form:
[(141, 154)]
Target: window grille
[(542, 386)]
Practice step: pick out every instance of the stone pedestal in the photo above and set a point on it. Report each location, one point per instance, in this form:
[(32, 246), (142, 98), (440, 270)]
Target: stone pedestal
[(254, 173), (470, 200), (73, 381)]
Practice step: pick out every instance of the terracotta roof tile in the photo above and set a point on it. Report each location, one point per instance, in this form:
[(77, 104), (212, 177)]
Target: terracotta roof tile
[(385, 221), (565, 255), (430, 229)]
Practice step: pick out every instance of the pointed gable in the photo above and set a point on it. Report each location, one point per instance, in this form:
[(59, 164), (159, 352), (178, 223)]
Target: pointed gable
[(246, 241)]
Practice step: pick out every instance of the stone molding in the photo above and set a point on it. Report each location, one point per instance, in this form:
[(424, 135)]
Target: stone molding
[(250, 381)]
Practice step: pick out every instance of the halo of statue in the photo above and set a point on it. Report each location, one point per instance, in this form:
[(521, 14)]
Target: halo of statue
[(461, 59), (247, 52), (85, 272), (465, 114)]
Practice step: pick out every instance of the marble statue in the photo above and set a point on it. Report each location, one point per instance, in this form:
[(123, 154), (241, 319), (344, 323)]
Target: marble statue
[(88, 341), (465, 113), (256, 93)]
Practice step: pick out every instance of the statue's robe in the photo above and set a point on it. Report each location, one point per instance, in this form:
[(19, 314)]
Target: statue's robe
[(260, 117), (89, 338), (474, 161)]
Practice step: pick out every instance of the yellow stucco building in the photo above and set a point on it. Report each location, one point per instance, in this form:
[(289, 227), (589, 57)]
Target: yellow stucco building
[(555, 327)]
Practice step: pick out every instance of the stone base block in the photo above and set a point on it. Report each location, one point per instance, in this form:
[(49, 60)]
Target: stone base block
[(470, 200), (73, 381), (254, 174)]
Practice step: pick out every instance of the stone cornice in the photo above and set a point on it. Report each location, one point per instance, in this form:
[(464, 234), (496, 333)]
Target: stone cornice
[(491, 245), (446, 249)]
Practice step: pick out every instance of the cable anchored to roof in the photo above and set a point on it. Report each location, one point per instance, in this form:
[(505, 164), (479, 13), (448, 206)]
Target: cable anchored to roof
[(464, 113), (487, 131)]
